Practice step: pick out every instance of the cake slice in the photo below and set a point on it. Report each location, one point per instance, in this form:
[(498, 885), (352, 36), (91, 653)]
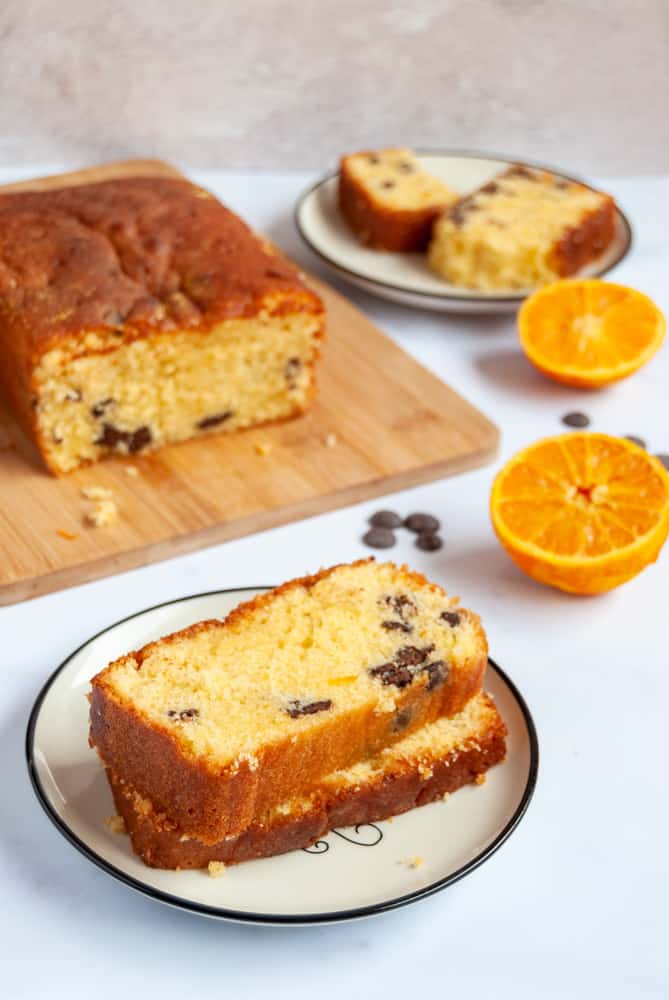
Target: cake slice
[(436, 760), (389, 201), (522, 229), (139, 312), (220, 722)]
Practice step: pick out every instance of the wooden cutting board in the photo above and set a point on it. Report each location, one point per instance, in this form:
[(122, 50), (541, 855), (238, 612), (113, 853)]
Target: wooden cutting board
[(390, 424)]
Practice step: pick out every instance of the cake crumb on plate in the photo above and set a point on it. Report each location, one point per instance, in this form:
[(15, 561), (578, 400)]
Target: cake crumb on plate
[(215, 869), (116, 824), (413, 862)]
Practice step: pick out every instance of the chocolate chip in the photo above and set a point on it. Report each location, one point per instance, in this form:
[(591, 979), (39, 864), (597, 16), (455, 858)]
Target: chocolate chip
[(560, 184), (429, 542), (373, 158), (635, 440), (576, 419), (98, 409), (385, 519), (379, 538), (292, 367), (34, 403), (451, 618), (518, 170), (215, 420), (490, 188), (296, 708), (437, 672), (140, 439), (412, 656), (401, 720), (457, 214), (406, 167), (664, 458), (56, 438), (388, 184), (397, 626), (392, 673), (401, 604), (422, 524), (183, 715)]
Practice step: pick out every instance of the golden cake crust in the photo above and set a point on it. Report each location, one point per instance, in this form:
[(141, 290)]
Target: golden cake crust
[(403, 786), (93, 267), (210, 802), (380, 226)]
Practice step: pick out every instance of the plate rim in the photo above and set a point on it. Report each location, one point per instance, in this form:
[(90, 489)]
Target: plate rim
[(245, 916), (446, 297)]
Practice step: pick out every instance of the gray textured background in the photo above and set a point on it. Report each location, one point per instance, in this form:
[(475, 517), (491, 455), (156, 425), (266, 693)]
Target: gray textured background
[(291, 84)]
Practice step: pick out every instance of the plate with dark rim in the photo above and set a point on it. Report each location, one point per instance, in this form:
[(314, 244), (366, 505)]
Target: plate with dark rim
[(353, 872), (406, 277)]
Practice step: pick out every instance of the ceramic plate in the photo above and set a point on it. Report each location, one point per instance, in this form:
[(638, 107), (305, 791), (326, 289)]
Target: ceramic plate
[(350, 873), (405, 277)]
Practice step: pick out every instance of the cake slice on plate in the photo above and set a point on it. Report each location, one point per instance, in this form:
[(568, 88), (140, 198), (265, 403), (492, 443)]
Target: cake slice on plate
[(220, 722)]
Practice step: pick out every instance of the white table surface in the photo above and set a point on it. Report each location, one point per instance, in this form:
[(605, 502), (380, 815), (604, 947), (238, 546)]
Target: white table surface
[(575, 903)]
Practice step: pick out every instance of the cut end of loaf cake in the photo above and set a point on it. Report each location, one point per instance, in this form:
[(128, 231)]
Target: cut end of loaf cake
[(521, 230)]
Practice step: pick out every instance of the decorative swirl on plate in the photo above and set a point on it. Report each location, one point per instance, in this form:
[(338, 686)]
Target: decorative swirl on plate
[(371, 836)]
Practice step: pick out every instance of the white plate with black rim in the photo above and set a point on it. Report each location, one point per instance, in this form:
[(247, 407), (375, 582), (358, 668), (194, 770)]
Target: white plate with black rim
[(406, 277), (351, 873)]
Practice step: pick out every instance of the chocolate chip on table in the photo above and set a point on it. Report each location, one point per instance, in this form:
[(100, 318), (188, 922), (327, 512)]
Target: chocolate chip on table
[(451, 618), (98, 409), (392, 673), (297, 708), (385, 519), (664, 458), (183, 715), (428, 542), (635, 440), (396, 626), (422, 524), (576, 419), (214, 420), (379, 538)]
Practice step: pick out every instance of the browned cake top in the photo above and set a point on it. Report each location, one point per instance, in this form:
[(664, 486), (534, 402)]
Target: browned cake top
[(129, 257)]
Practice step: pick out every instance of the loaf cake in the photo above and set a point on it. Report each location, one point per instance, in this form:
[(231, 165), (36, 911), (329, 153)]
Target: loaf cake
[(436, 760), (221, 721), (141, 311), (522, 229), (389, 201)]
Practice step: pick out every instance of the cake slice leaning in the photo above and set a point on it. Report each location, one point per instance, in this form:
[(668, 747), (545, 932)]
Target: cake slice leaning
[(438, 759), (220, 722)]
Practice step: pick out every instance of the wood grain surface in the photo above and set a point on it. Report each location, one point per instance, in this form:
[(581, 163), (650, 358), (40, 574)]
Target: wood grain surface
[(380, 423)]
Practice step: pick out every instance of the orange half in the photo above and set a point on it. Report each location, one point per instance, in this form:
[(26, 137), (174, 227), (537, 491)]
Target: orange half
[(582, 512), (587, 333)]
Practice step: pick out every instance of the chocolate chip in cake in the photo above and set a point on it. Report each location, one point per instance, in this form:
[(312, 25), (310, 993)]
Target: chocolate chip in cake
[(392, 673), (134, 441), (664, 458), (291, 370), (379, 538), (401, 604), (429, 542), (396, 626), (490, 188), (56, 438), (373, 158), (385, 519), (422, 524), (412, 656), (518, 170), (451, 618), (184, 714), (140, 439), (560, 184), (401, 720), (406, 167), (387, 184), (296, 708), (98, 409), (437, 672), (457, 214), (635, 440), (215, 420), (576, 419)]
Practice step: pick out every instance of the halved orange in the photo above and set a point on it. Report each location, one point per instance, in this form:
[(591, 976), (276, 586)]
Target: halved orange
[(586, 332), (582, 512)]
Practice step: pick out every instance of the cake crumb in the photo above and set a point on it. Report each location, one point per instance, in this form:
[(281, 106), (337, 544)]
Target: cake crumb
[(104, 512), (116, 824), (215, 869), (131, 470), (412, 863), (446, 796), (331, 440), (480, 779), (96, 493), (262, 448), (67, 535)]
